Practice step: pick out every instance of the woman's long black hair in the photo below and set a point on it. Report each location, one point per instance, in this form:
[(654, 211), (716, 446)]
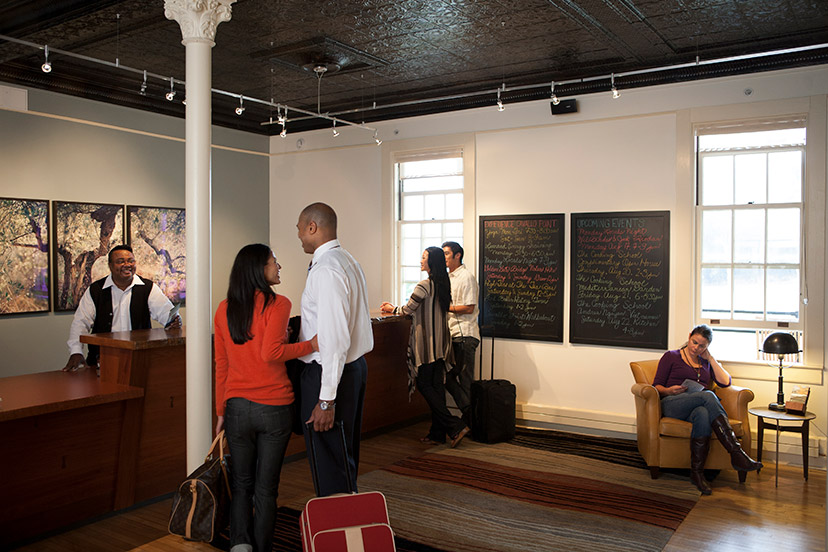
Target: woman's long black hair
[(438, 274), (246, 278)]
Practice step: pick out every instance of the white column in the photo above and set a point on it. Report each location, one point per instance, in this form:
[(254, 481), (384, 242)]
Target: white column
[(198, 22)]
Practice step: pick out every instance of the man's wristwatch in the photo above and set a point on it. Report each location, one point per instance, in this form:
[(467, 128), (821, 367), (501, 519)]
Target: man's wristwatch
[(326, 405)]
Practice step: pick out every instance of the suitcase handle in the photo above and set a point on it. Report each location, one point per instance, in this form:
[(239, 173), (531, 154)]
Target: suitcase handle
[(312, 451), (492, 327)]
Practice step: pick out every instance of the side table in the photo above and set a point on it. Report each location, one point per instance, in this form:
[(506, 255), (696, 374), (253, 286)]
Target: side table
[(804, 419)]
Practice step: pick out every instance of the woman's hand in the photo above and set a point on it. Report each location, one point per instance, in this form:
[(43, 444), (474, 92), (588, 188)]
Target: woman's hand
[(315, 343), (667, 391), (387, 307), (219, 424)]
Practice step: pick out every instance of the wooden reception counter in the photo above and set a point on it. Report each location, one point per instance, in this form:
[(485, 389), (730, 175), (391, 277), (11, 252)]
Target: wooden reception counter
[(76, 446), (62, 454)]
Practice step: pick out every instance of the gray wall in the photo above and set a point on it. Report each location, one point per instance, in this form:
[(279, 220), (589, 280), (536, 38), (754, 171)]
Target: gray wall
[(71, 149)]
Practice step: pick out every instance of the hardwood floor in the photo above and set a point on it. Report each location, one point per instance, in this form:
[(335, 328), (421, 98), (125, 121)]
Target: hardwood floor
[(753, 516)]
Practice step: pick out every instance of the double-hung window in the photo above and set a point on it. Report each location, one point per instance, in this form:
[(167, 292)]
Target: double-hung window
[(430, 211), (750, 237)]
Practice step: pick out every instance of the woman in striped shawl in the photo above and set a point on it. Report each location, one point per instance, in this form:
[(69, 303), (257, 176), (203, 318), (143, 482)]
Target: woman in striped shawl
[(430, 344)]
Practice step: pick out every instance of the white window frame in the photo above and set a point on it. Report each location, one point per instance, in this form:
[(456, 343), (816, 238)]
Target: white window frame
[(391, 151), (398, 285), (761, 327)]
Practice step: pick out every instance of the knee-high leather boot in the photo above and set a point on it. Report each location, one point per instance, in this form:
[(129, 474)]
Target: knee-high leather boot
[(699, 447), (738, 457)]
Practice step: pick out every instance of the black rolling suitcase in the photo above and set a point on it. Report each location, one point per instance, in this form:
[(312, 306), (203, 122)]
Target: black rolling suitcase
[(492, 407)]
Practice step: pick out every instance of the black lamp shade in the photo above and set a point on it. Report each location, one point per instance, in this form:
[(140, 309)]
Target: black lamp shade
[(780, 343)]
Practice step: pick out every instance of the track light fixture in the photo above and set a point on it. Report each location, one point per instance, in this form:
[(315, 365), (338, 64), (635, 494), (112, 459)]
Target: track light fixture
[(282, 121), (171, 94), (46, 67), (615, 93), (240, 109), (144, 84), (555, 99), (500, 106), (335, 132), (376, 139)]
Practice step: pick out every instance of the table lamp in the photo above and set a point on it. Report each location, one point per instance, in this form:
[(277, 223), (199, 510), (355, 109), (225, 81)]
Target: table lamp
[(780, 344)]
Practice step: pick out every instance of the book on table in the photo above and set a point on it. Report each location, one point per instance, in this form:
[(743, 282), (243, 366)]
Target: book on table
[(798, 401)]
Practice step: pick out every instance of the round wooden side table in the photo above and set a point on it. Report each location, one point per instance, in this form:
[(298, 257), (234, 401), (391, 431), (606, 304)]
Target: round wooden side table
[(804, 419)]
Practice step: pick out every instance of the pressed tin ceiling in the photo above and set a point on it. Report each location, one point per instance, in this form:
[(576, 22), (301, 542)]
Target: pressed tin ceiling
[(384, 59)]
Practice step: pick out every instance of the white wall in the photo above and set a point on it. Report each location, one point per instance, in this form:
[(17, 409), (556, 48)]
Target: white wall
[(348, 180), (634, 153), (61, 148)]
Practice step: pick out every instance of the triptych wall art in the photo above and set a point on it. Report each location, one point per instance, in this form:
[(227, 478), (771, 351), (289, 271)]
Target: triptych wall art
[(79, 237)]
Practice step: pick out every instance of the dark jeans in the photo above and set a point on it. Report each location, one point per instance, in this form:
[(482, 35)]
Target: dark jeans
[(258, 436), (459, 378), (350, 396), (431, 387), (700, 409)]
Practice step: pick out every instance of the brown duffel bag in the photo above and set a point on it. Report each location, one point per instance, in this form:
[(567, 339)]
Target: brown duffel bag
[(201, 506)]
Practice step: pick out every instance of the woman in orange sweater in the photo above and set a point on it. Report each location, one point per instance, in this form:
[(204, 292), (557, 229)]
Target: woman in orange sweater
[(253, 392)]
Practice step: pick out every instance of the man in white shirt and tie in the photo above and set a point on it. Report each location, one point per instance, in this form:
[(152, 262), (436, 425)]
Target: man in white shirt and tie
[(335, 309)]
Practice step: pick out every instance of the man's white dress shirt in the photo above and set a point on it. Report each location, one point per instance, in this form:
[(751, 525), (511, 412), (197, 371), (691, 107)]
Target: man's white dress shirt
[(335, 309), (464, 291), (159, 307)]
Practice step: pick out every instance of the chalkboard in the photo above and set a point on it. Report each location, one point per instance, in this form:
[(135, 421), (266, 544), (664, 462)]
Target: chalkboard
[(521, 276), (619, 279)]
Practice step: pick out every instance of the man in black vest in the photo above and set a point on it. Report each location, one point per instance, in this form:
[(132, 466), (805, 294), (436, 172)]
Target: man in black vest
[(120, 302)]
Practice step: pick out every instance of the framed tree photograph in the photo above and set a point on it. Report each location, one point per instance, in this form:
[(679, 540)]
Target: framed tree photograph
[(83, 235), (158, 240), (24, 256)]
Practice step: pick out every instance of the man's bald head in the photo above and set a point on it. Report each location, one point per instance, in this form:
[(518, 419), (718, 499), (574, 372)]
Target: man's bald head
[(317, 225), (323, 215)]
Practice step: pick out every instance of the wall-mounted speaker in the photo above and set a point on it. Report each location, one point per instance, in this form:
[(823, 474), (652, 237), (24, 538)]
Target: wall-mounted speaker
[(565, 106)]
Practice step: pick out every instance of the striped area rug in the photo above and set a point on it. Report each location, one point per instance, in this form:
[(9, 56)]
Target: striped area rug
[(524, 496), (541, 492)]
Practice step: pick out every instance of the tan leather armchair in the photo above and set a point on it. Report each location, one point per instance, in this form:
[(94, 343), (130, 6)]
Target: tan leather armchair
[(665, 442)]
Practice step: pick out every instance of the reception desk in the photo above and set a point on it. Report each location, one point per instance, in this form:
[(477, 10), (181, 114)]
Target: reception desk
[(63, 449), (155, 361)]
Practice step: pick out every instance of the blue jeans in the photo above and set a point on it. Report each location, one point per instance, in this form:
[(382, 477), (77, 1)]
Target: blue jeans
[(258, 436), (459, 378), (700, 409)]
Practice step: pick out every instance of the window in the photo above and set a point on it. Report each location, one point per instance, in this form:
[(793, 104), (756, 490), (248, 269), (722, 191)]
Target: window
[(750, 190), (430, 212)]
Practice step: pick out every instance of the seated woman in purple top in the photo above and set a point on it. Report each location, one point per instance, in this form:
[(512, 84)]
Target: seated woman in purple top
[(701, 408)]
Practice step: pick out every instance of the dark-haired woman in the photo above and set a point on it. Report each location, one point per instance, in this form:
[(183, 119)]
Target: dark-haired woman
[(701, 408), (253, 392), (430, 343)]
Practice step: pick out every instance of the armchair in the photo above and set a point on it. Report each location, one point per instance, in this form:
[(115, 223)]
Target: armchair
[(665, 442)]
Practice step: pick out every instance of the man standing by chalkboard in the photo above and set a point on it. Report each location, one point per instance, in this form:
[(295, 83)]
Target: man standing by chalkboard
[(462, 319)]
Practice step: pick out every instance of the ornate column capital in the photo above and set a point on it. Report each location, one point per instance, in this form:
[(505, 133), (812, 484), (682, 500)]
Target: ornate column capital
[(198, 19)]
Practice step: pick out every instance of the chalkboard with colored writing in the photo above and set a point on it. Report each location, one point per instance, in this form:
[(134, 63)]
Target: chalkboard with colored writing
[(521, 276), (619, 280)]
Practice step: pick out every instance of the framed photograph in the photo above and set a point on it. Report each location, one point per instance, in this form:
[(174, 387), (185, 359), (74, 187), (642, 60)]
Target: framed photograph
[(24, 256), (158, 240), (83, 235)]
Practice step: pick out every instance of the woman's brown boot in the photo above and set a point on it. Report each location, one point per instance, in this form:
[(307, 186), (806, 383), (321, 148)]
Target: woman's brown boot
[(699, 447), (738, 457)]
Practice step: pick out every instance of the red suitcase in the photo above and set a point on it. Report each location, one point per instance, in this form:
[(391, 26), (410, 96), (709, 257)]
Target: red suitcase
[(345, 522)]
